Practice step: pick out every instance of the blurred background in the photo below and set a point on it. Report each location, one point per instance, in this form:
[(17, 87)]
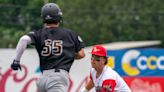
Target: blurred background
[(107, 22), (96, 21)]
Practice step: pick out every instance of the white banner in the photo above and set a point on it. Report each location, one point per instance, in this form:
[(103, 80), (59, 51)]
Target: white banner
[(24, 81)]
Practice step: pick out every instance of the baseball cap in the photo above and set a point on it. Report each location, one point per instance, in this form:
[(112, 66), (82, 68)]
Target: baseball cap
[(99, 50)]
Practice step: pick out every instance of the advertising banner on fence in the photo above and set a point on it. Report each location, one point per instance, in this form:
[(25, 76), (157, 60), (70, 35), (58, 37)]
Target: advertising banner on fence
[(142, 69), (145, 84), (137, 62)]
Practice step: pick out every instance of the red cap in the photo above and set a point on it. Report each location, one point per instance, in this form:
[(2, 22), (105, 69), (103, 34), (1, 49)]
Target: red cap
[(99, 50)]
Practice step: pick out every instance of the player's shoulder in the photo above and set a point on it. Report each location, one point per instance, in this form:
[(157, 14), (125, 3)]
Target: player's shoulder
[(109, 69), (65, 29), (37, 31), (68, 31), (112, 72), (93, 70)]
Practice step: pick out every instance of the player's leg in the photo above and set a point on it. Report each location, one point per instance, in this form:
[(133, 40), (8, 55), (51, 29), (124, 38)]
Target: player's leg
[(41, 81), (58, 82), (59, 88)]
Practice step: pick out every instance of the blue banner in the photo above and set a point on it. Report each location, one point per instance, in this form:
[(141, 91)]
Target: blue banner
[(137, 62)]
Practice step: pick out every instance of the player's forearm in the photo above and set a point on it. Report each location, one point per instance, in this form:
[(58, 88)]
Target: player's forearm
[(21, 46), (88, 87), (84, 90)]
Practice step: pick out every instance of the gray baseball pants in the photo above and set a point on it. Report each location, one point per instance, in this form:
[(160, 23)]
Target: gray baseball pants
[(53, 81)]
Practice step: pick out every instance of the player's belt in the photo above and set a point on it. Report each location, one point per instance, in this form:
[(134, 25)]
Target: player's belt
[(46, 72), (57, 70)]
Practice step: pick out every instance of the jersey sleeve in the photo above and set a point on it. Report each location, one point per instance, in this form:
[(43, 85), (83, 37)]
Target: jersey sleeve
[(79, 43), (33, 36)]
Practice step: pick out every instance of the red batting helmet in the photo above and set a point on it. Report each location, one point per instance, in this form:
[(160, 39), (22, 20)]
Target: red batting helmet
[(99, 50)]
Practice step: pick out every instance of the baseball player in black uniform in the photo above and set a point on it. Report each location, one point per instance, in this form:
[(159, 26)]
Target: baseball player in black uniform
[(57, 48)]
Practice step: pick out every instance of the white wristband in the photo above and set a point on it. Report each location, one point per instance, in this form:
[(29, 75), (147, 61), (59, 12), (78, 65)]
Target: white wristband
[(84, 90)]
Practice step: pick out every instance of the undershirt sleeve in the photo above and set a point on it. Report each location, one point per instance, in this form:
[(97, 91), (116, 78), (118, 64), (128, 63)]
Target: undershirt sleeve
[(21, 46)]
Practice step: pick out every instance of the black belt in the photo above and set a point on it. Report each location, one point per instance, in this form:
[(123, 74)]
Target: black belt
[(57, 70)]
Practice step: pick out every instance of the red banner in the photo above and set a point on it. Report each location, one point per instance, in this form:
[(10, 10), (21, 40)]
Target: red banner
[(145, 84)]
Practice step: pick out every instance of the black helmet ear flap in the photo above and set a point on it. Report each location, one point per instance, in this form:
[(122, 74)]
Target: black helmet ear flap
[(51, 13)]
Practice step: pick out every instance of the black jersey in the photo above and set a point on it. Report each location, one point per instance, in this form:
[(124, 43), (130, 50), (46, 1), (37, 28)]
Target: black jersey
[(56, 47)]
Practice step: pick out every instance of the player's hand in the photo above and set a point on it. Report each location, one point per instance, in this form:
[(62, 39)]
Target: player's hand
[(16, 65), (84, 90)]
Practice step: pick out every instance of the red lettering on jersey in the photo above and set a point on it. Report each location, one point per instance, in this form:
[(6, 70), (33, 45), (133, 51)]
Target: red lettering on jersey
[(108, 85)]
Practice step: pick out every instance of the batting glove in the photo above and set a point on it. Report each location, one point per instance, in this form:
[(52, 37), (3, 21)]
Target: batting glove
[(16, 65)]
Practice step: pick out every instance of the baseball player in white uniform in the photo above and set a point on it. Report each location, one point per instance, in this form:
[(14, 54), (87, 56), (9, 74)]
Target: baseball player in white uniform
[(102, 77)]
